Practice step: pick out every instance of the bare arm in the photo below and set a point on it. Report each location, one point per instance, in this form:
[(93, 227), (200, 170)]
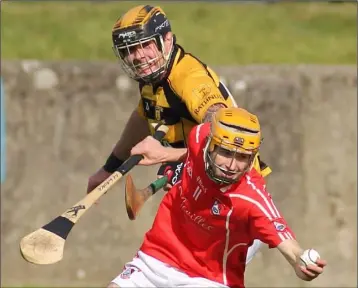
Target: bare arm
[(174, 154), (128, 138), (155, 153), (276, 233), (292, 251), (121, 151), (167, 154), (211, 111)]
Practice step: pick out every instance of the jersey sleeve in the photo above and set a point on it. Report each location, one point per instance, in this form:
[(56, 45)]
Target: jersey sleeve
[(199, 91), (266, 222)]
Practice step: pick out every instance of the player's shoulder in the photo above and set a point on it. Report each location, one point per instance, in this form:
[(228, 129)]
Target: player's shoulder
[(253, 185), (250, 195), (187, 68), (199, 132), (198, 135), (255, 180)]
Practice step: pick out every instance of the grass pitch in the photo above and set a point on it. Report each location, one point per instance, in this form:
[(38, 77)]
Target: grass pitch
[(218, 33)]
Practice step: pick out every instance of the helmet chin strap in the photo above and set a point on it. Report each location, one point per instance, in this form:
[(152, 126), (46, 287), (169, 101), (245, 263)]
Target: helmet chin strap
[(209, 167), (167, 57)]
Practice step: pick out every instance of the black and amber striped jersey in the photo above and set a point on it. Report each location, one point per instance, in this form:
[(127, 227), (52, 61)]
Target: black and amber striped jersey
[(181, 100)]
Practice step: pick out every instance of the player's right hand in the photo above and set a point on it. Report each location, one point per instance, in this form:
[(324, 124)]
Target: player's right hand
[(96, 179), (151, 150), (312, 271), (173, 171), (167, 186)]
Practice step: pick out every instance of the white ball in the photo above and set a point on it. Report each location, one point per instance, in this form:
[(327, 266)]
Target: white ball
[(309, 257)]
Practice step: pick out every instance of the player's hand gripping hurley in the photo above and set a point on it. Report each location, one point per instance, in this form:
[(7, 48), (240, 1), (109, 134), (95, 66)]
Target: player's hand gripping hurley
[(46, 245)]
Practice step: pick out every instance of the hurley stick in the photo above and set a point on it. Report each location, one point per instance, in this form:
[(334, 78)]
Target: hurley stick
[(135, 198), (46, 245)]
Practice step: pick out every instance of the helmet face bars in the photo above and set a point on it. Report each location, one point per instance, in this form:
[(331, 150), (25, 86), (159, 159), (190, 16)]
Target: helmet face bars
[(142, 28), (236, 131)]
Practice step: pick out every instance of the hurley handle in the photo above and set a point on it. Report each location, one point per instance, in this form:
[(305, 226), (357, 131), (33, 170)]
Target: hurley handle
[(158, 184)]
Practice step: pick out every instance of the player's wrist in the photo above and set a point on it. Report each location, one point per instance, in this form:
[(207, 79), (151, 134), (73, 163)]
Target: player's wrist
[(177, 154), (112, 163), (165, 154)]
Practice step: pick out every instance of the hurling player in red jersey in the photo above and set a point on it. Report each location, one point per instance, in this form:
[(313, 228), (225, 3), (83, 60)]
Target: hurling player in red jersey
[(208, 219)]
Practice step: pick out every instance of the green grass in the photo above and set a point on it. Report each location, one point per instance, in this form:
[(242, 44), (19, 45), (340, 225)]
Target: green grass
[(217, 33)]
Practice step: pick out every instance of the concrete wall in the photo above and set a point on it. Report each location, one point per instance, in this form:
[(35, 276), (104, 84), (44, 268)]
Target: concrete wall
[(63, 118)]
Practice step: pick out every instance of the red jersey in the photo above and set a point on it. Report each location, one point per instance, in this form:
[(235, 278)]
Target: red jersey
[(204, 229)]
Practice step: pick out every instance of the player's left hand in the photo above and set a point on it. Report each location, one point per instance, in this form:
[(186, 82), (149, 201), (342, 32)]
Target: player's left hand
[(313, 271)]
